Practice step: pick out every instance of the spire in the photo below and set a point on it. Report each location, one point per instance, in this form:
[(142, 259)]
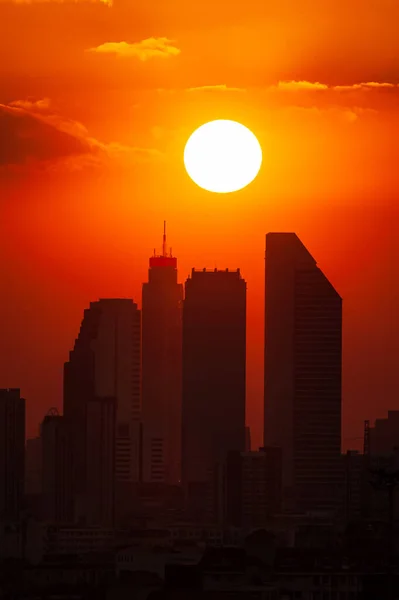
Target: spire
[(164, 239)]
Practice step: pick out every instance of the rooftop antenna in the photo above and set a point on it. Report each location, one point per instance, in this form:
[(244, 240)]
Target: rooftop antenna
[(164, 239)]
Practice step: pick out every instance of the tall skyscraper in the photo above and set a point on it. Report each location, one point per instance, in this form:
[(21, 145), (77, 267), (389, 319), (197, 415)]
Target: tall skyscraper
[(161, 364), (303, 358), (100, 451), (57, 469), (12, 453), (214, 373), (106, 363), (33, 467)]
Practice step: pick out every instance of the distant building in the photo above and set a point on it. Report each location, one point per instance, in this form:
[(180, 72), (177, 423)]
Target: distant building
[(303, 367), (384, 436), (57, 499), (161, 364), (100, 452), (247, 439), (354, 473), (106, 363), (252, 487), (33, 466), (12, 453), (214, 375)]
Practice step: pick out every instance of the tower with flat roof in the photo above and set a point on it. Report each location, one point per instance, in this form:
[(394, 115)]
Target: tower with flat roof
[(214, 374)]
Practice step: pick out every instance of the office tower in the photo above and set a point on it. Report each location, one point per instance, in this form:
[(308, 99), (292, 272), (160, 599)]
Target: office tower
[(106, 363), (161, 364), (100, 452), (353, 464), (214, 345), (57, 468), (12, 453), (252, 487), (303, 340), (384, 436), (33, 466), (247, 439)]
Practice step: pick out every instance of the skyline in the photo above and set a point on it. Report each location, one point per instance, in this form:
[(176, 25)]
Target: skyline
[(349, 441), (96, 104)]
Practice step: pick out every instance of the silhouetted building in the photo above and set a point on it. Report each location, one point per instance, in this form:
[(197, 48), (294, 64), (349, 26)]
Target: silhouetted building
[(161, 364), (214, 345), (33, 466), (100, 451), (303, 356), (57, 468), (354, 465), (252, 487), (384, 436), (12, 453), (106, 363)]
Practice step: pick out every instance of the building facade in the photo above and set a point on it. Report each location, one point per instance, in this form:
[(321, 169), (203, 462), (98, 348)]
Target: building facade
[(303, 371), (106, 363), (252, 487), (161, 364), (214, 374), (57, 468), (12, 453)]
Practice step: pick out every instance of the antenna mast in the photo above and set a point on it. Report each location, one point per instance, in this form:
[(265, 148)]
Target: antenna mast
[(164, 239)]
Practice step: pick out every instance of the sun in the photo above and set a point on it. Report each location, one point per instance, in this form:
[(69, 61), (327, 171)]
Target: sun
[(222, 156)]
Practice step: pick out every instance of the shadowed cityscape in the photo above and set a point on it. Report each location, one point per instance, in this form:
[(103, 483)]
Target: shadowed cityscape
[(147, 484)]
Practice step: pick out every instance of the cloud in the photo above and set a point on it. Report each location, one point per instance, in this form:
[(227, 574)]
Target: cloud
[(299, 85), (32, 105), (144, 50), (105, 2), (108, 3), (32, 134), (216, 88), (371, 85), (317, 86)]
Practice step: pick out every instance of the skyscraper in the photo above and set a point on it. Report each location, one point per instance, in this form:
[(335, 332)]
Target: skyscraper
[(106, 363), (161, 364), (214, 373), (12, 453), (100, 452), (57, 468), (303, 364)]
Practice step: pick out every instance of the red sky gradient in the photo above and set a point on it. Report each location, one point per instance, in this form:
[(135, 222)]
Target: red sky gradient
[(92, 132)]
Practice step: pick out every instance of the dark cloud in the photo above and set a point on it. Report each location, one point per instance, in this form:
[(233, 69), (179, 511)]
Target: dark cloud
[(25, 138), (31, 133)]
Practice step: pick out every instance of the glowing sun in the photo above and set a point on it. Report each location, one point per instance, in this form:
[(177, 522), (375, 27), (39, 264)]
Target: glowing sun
[(222, 156)]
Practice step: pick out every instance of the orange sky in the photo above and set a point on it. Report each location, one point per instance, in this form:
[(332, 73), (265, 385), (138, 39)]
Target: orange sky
[(96, 103)]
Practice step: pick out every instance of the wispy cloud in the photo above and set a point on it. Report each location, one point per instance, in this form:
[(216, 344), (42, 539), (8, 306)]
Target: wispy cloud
[(32, 133), (299, 85), (105, 2), (364, 86), (144, 50), (215, 88)]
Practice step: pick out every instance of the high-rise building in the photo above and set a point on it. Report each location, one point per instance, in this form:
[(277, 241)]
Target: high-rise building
[(33, 466), (384, 436), (214, 374), (247, 439), (106, 363), (57, 469), (303, 364), (100, 452), (12, 453), (161, 364), (252, 487)]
